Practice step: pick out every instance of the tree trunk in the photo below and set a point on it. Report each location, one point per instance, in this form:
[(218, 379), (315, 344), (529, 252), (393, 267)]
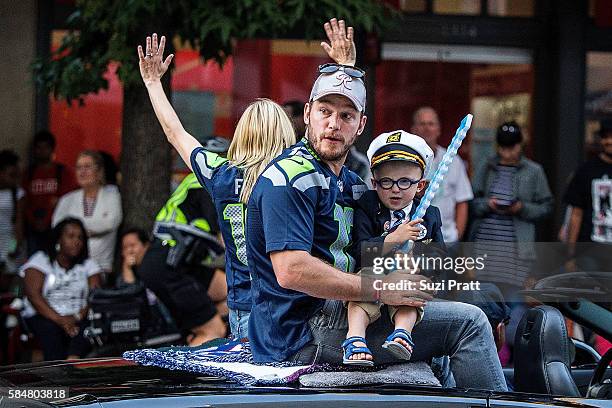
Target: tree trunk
[(145, 159), (145, 152)]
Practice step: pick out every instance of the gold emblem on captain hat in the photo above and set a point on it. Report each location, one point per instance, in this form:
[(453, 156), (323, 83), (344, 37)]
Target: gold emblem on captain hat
[(394, 138)]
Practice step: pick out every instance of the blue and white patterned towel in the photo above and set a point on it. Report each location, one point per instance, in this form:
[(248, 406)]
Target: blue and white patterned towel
[(230, 359)]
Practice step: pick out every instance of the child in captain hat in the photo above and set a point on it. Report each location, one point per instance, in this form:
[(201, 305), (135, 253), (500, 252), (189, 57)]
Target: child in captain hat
[(399, 161)]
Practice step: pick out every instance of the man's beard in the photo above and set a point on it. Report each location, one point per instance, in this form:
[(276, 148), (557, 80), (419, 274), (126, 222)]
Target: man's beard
[(327, 155)]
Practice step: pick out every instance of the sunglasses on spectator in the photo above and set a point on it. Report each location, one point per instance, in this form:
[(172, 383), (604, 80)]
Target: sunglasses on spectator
[(330, 68), (404, 183)]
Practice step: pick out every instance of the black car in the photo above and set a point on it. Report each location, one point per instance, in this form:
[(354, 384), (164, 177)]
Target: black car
[(115, 382), (547, 372)]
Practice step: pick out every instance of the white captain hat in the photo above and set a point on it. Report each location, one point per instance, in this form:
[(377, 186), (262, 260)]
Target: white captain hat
[(400, 145)]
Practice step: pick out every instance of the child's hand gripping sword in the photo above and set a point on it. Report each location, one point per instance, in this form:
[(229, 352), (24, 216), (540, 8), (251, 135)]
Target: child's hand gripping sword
[(436, 180)]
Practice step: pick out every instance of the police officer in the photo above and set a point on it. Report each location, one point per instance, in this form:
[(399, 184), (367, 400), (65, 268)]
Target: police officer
[(178, 267)]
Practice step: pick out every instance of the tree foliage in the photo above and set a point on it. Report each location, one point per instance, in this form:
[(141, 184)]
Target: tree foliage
[(101, 31)]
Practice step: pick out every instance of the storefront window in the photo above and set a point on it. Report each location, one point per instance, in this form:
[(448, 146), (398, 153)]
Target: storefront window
[(598, 96), (413, 6), (494, 84), (209, 99), (510, 8), (465, 7), (95, 125)]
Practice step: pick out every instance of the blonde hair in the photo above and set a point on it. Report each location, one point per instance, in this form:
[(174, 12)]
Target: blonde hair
[(263, 132)]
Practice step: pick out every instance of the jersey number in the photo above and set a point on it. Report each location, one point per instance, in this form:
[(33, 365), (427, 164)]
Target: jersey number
[(342, 260), (234, 213)]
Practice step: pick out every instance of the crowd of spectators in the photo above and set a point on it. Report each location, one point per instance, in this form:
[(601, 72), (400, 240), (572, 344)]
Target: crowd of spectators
[(59, 222)]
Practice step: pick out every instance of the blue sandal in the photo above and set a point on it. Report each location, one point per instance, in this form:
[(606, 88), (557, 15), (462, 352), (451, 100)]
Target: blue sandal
[(397, 349), (350, 350)]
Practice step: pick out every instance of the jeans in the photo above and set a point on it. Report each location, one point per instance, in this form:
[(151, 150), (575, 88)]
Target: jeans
[(239, 323), (453, 329), (441, 369)]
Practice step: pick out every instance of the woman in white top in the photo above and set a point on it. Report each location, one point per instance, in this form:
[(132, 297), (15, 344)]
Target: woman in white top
[(56, 284), (96, 204)]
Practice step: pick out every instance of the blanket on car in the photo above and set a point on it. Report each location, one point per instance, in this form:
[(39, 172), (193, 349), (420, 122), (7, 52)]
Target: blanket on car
[(221, 358), (233, 360)]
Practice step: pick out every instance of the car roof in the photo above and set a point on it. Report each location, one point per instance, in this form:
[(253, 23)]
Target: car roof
[(110, 380)]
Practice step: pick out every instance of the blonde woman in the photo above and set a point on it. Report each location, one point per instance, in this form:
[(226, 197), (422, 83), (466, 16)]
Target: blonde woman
[(262, 133)]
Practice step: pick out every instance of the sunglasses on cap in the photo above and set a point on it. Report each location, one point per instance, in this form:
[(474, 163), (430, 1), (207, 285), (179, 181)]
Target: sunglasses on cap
[(331, 67)]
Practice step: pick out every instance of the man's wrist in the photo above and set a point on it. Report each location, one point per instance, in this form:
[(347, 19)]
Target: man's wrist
[(368, 289), (347, 62)]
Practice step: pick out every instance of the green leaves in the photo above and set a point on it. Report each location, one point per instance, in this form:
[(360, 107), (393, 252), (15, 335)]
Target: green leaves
[(102, 31)]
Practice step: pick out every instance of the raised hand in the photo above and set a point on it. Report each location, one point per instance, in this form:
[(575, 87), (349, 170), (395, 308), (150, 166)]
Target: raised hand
[(152, 67), (341, 47)]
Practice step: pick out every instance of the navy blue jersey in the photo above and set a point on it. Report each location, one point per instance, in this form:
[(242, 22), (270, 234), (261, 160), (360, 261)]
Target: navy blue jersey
[(298, 203), (224, 182)]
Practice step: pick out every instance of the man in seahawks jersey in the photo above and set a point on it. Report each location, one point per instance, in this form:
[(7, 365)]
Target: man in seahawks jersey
[(299, 222), (302, 205)]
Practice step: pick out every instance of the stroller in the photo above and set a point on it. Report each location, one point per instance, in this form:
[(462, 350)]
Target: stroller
[(122, 319)]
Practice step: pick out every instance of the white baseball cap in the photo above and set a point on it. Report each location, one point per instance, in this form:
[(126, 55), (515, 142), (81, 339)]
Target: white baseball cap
[(400, 145), (340, 83)]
